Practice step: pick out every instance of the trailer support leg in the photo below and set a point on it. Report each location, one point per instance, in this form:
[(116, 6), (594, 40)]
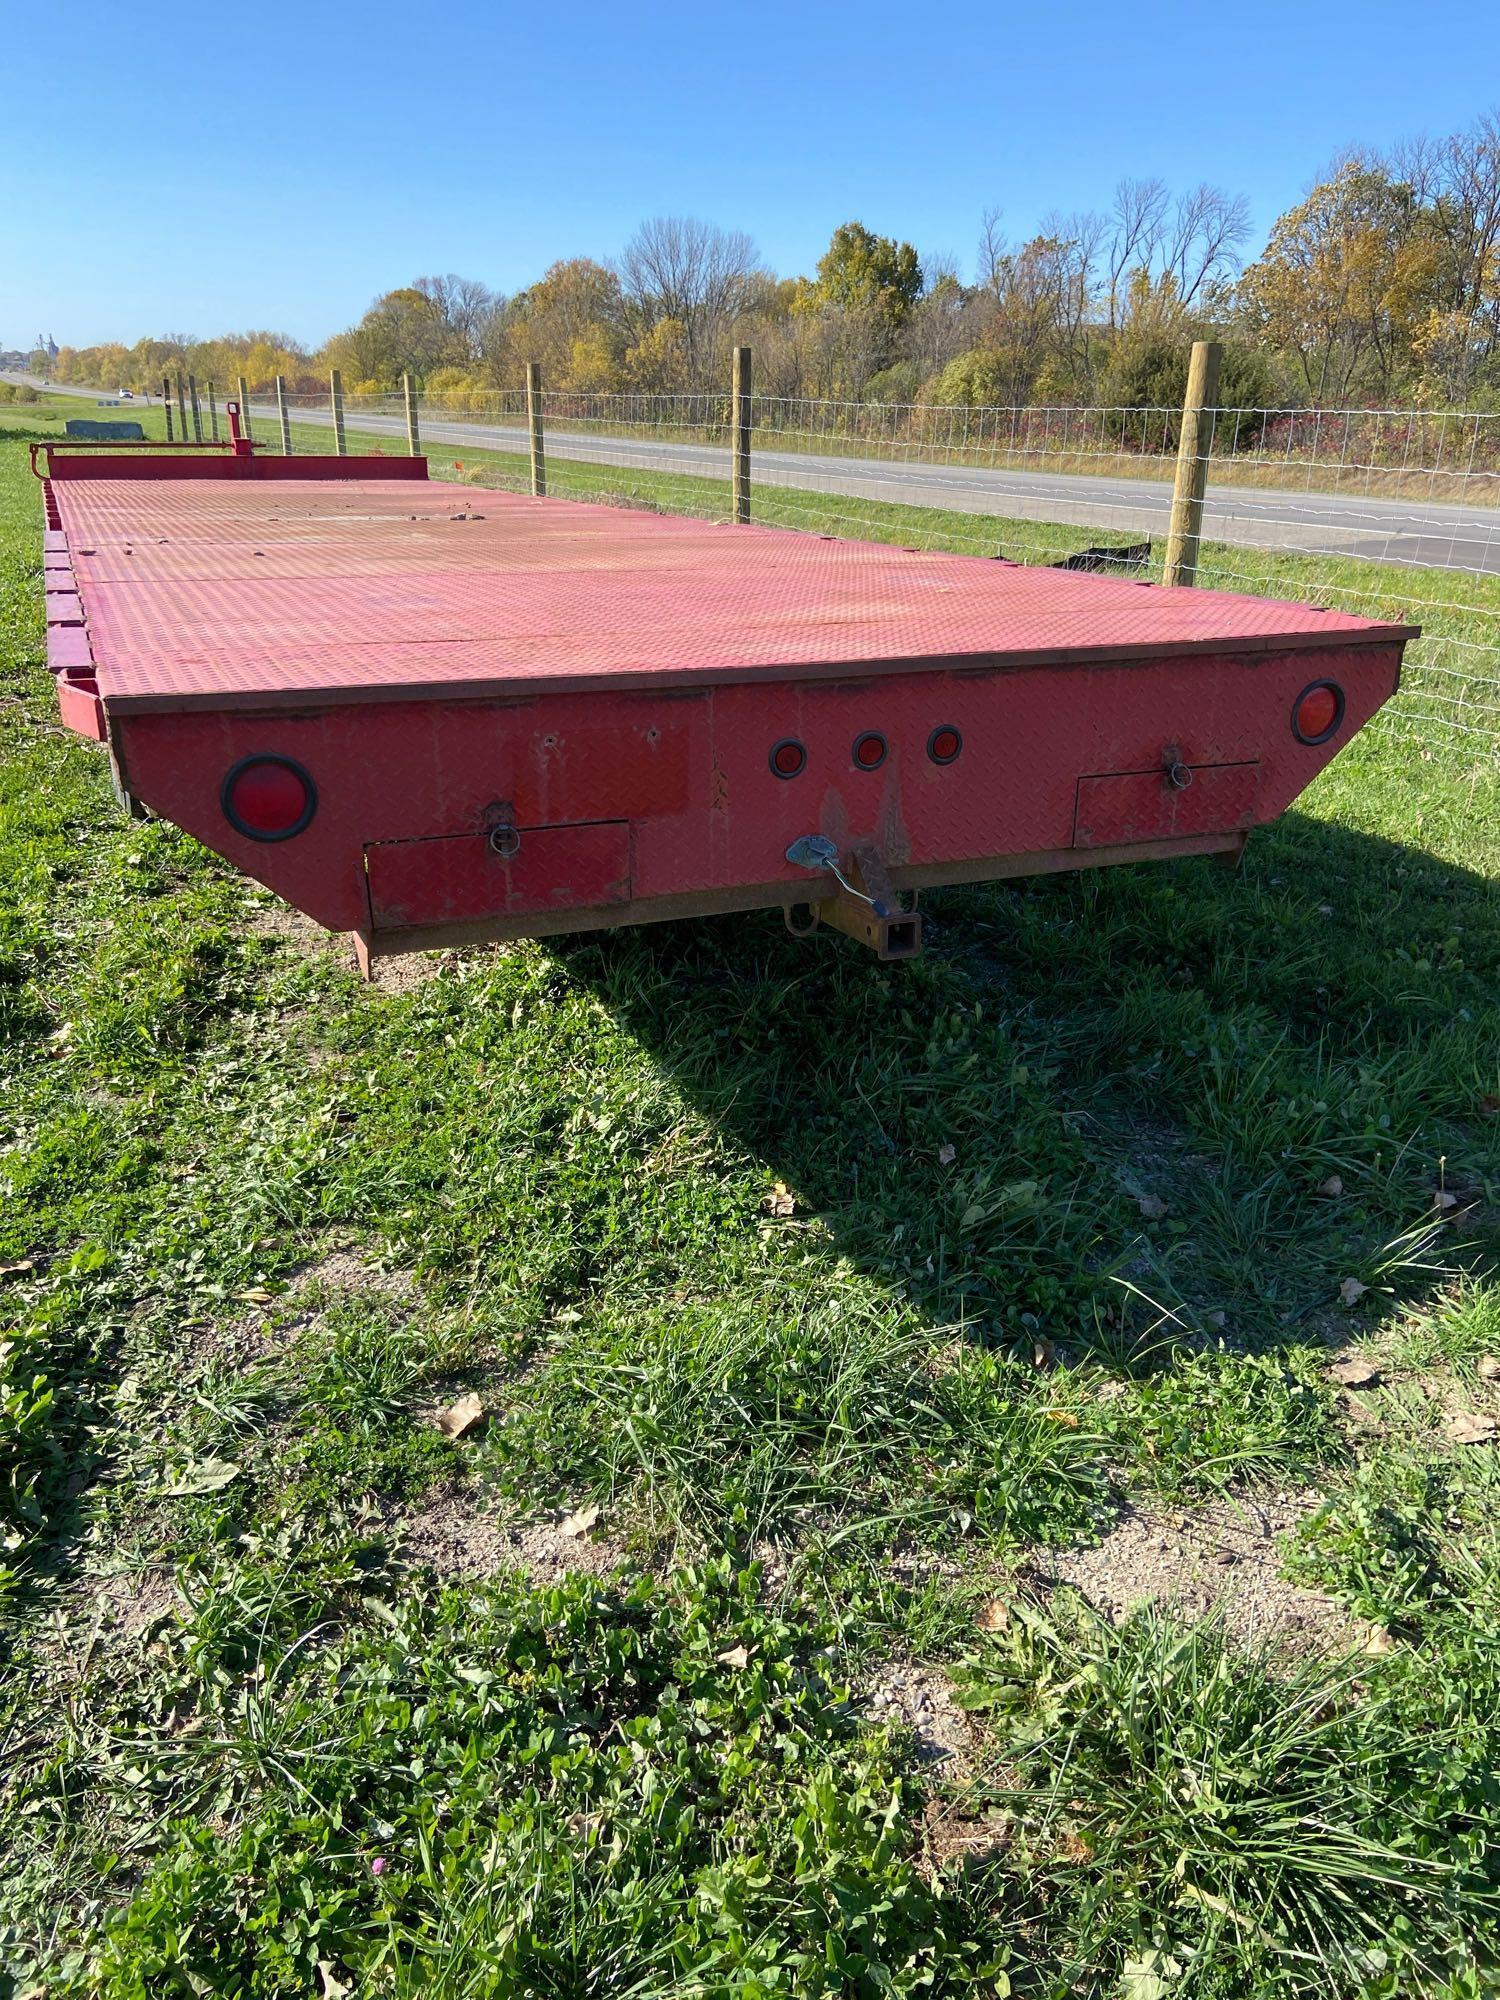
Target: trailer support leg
[(125, 799)]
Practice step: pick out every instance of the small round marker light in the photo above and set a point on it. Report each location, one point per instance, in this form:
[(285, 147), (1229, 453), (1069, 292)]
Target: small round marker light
[(944, 744), (1317, 712), (788, 757), (869, 750), (268, 798)]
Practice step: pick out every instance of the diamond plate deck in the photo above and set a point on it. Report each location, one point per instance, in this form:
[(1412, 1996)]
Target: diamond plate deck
[(289, 595)]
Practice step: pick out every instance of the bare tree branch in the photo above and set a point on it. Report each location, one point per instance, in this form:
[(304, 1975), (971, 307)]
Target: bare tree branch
[(677, 268), (1139, 215), (1207, 227), (992, 250)]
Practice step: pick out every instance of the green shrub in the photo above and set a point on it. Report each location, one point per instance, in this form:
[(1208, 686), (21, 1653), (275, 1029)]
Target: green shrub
[(1151, 374), (981, 376)]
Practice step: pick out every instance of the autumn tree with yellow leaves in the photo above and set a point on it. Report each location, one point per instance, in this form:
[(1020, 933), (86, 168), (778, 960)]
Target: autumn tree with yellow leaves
[(1345, 283)]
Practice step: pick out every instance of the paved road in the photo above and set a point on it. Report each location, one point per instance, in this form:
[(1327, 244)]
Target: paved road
[(1405, 531)]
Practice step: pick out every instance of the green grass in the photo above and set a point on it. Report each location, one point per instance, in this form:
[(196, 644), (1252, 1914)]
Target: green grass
[(1075, 1204), (1187, 1818)]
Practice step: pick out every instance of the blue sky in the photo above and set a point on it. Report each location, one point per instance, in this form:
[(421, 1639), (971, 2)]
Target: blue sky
[(323, 153)]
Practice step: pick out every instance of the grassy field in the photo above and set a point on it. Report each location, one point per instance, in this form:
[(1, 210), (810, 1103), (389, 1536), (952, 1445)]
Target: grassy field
[(987, 1481)]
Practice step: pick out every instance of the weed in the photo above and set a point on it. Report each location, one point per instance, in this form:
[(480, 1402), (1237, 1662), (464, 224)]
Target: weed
[(1234, 1823), (778, 1418), (669, 1788)]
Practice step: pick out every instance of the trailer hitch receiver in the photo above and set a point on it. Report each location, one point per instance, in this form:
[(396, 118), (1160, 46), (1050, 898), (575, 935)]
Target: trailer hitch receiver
[(868, 909)]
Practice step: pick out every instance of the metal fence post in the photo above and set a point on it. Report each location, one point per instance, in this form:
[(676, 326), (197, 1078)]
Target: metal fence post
[(166, 403), (740, 432), (336, 394), (244, 394), (213, 413), (181, 410), (1193, 446), (197, 412), (413, 434), (534, 421), (284, 415)]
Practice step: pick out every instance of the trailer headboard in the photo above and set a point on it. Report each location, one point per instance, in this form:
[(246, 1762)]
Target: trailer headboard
[(75, 459)]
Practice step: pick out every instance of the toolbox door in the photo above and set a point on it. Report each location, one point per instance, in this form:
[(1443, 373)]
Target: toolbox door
[(1121, 807), (460, 878)]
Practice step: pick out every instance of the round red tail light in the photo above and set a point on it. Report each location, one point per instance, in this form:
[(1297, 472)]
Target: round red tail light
[(944, 744), (787, 757), (268, 798), (869, 750), (1317, 712)]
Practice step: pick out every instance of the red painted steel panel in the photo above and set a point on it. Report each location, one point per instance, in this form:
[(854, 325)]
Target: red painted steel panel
[(68, 646), (79, 706), (1127, 806), (90, 467), (297, 593), (691, 771), (462, 879)]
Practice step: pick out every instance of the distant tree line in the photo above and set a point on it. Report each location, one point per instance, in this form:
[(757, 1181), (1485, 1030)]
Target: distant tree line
[(1382, 286)]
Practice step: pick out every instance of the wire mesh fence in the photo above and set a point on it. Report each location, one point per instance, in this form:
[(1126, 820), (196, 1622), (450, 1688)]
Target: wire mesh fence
[(1385, 513)]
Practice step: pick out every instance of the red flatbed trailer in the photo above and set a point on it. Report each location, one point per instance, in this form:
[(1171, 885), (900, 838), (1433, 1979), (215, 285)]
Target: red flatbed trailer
[(428, 713)]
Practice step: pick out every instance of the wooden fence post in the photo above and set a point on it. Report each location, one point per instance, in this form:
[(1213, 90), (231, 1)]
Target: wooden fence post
[(166, 403), (181, 411), (213, 413), (1193, 446), (244, 394), (197, 412), (285, 416), (740, 433), (534, 421), (413, 433), (336, 392)]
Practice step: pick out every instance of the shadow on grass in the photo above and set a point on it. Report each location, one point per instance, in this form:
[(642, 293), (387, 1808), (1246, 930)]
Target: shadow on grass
[(1228, 1093)]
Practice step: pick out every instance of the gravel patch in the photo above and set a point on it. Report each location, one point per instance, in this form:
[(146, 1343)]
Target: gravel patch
[(346, 1268), (465, 1545), (402, 973), (299, 933), (922, 1698), (130, 1604), (1221, 1559), (263, 1329)]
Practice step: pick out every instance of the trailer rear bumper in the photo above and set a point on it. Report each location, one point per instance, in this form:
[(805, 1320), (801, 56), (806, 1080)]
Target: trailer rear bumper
[(737, 901)]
